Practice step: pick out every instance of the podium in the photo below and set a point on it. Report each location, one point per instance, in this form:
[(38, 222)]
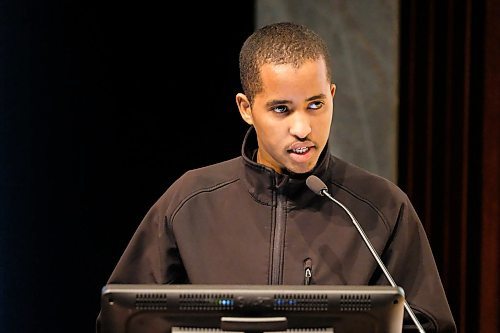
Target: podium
[(189, 308)]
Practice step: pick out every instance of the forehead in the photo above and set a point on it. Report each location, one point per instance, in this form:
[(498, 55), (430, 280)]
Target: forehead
[(311, 74)]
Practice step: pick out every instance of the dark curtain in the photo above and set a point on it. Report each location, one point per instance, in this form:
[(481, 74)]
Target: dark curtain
[(448, 145)]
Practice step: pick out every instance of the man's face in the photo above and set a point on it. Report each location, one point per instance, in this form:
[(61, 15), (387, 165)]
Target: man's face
[(292, 115)]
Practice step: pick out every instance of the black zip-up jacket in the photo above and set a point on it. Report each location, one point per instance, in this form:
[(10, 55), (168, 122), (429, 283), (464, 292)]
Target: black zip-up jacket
[(239, 222)]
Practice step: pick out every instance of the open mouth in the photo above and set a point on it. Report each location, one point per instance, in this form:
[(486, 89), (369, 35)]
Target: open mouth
[(300, 151)]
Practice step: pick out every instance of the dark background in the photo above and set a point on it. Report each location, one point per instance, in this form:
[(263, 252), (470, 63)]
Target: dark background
[(103, 105)]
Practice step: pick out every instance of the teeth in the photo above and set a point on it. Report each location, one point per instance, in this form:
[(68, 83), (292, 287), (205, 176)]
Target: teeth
[(300, 150)]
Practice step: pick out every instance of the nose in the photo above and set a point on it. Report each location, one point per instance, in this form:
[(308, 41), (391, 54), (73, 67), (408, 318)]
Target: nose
[(300, 124)]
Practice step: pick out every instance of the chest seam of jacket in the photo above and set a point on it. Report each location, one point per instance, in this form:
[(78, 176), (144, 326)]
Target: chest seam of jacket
[(366, 201), (192, 195)]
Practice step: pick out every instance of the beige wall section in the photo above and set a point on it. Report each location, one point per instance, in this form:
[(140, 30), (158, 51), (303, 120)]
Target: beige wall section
[(363, 39)]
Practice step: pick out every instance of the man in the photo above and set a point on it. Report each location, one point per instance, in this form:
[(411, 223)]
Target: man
[(253, 220)]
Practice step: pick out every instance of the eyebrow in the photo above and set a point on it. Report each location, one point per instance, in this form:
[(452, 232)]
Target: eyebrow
[(285, 101), (275, 102), (320, 96)]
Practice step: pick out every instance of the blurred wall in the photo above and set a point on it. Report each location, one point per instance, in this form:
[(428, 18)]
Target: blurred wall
[(362, 36)]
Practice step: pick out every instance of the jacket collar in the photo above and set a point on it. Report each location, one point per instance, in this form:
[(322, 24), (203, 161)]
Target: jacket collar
[(263, 182)]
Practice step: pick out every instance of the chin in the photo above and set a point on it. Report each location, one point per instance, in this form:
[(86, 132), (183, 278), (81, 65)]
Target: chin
[(299, 171)]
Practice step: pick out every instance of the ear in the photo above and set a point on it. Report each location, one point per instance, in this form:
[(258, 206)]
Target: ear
[(245, 108), (333, 88)]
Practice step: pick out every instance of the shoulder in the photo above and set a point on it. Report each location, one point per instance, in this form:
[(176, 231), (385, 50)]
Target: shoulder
[(362, 182), (368, 189), (209, 176), (199, 180)]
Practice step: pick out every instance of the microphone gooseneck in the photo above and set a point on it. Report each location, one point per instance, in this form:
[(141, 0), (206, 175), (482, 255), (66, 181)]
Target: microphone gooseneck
[(319, 187)]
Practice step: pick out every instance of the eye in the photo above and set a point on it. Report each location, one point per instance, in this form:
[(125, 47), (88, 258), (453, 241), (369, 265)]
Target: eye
[(315, 105), (280, 109)]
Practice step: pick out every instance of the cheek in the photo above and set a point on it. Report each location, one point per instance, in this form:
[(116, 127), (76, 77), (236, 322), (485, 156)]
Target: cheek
[(266, 126), (326, 128), (272, 137), (322, 130)]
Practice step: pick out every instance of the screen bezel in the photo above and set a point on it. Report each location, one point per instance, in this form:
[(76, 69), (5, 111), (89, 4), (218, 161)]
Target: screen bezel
[(343, 308)]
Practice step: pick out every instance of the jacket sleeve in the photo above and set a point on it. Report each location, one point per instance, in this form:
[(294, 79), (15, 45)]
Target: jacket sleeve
[(151, 256), (410, 260)]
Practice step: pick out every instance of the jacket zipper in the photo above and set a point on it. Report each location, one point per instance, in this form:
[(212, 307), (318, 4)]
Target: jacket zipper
[(278, 240)]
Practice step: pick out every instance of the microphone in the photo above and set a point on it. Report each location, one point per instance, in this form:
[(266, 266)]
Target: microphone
[(319, 187)]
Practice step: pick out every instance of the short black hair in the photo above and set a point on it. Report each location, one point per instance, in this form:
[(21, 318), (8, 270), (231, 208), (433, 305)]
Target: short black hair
[(278, 43)]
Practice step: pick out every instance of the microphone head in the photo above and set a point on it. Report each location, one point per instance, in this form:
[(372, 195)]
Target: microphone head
[(316, 185)]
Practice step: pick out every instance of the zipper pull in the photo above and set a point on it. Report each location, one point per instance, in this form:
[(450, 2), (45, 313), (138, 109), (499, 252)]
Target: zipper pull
[(307, 271)]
